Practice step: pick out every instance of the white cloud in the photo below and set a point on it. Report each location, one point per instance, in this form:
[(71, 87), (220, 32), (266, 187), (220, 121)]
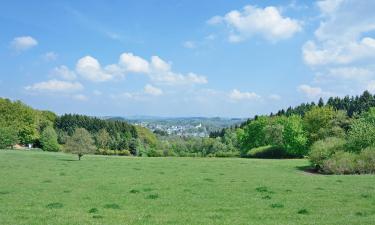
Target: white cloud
[(133, 63), (238, 95), (55, 86), (50, 56), (80, 97), (64, 72), (350, 73), (23, 43), (90, 68), (158, 70), (151, 90), (274, 97), (189, 44), (313, 92), (342, 36), (266, 22)]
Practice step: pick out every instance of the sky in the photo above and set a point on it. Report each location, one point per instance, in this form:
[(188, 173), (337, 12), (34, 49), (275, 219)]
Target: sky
[(179, 58)]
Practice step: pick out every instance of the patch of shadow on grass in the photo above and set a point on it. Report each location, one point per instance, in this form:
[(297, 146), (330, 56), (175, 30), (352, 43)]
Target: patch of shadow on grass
[(62, 174), (320, 188), (339, 181), (303, 212), (4, 192), (360, 214), (112, 206), (266, 197), (161, 173), (47, 181), (93, 210), (138, 169), (215, 217), (134, 191), (308, 170), (365, 196), (277, 205), (67, 191), (55, 205), (97, 217), (68, 160), (288, 190), (263, 189), (152, 196), (209, 179), (147, 189)]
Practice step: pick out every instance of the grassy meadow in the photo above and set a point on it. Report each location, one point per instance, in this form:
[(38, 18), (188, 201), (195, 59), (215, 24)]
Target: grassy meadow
[(56, 188)]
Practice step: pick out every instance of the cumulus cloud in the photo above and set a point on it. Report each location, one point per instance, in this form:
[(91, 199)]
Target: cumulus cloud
[(134, 63), (151, 90), (64, 72), (238, 95), (265, 22), (55, 86), (158, 70), (274, 97), (89, 68), (313, 92), (23, 43), (342, 36)]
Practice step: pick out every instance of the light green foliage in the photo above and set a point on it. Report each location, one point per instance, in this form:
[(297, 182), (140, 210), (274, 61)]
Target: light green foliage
[(324, 149), (341, 163), (362, 132), (254, 134), (48, 140), (121, 190), (102, 139), (267, 152), (8, 137), (80, 143), (366, 161), (294, 137), (316, 120)]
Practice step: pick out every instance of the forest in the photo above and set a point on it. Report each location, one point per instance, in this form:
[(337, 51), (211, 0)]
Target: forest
[(338, 136)]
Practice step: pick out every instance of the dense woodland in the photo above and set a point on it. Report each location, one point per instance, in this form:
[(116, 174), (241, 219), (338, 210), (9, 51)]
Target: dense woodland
[(338, 136)]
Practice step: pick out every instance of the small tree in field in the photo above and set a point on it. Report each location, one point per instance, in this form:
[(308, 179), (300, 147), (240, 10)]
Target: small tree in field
[(80, 143), (48, 140)]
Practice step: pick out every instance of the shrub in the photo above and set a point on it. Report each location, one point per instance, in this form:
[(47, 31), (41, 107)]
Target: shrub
[(154, 153), (341, 163), (124, 152), (226, 154), (366, 161), (267, 152), (361, 135), (324, 149), (49, 140)]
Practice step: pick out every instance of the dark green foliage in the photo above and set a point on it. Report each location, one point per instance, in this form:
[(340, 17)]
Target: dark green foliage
[(55, 205), (277, 205), (112, 206), (303, 211), (267, 152), (152, 196), (93, 210)]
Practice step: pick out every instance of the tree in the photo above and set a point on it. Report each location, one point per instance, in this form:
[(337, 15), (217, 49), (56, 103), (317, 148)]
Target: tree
[(315, 120), (8, 137), (48, 140), (102, 139), (80, 143), (294, 136)]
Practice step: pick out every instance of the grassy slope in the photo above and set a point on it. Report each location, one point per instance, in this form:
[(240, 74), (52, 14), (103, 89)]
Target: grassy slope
[(176, 191)]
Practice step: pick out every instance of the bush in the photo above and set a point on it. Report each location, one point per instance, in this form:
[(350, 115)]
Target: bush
[(324, 149), (8, 137), (341, 163), (366, 161), (226, 154), (49, 140), (267, 152), (124, 152)]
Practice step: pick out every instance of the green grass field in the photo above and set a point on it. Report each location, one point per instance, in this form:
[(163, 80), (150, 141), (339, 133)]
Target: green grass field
[(55, 188)]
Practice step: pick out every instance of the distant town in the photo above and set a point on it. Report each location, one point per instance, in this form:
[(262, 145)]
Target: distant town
[(189, 126)]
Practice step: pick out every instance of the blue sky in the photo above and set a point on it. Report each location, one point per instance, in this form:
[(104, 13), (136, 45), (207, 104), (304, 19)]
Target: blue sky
[(184, 58)]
